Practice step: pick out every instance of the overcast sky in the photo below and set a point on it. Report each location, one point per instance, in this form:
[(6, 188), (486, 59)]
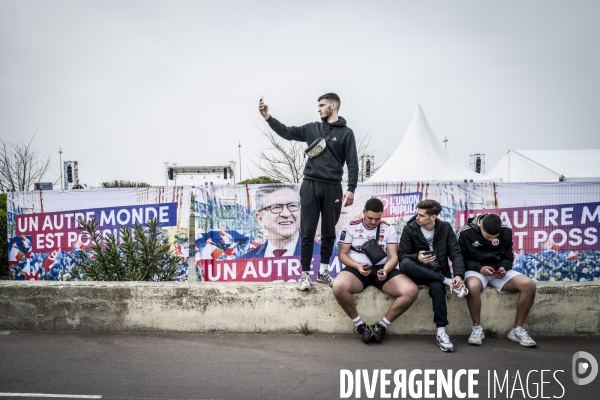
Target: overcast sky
[(124, 86)]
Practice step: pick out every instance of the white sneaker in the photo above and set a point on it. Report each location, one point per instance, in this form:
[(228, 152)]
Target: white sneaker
[(462, 292), (325, 277), (521, 336), (477, 335), (305, 281), (443, 340)]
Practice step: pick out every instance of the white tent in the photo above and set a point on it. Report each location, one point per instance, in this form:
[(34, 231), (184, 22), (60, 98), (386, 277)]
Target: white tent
[(420, 157), (548, 166)]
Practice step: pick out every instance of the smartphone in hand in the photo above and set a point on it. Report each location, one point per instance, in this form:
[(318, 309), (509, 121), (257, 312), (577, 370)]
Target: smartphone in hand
[(429, 253)]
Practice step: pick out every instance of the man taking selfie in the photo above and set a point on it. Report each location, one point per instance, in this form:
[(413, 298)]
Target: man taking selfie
[(331, 145)]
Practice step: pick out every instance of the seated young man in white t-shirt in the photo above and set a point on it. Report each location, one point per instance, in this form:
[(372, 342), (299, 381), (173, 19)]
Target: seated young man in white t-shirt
[(358, 273)]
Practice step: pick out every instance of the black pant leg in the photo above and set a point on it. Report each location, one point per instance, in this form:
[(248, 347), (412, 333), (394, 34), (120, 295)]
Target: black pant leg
[(330, 214), (418, 273), (310, 210), (437, 290)]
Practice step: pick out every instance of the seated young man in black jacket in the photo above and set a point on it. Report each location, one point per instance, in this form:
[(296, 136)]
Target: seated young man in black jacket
[(487, 247), (425, 246)]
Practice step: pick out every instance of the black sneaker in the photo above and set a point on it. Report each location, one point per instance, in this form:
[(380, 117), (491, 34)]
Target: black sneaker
[(365, 331), (378, 332)]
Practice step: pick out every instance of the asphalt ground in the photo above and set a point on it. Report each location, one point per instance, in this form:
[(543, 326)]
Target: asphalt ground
[(281, 366)]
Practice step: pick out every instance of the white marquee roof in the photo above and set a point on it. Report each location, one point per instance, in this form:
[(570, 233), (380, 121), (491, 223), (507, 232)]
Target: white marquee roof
[(547, 166), (420, 157)]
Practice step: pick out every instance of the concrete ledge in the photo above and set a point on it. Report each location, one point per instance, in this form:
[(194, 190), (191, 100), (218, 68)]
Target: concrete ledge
[(561, 308)]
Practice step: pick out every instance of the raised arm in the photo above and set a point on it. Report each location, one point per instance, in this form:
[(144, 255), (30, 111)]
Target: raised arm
[(286, 132)]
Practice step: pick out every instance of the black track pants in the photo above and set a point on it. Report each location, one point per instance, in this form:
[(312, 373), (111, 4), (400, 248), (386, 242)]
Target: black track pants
[(318, 199), (437, 290)]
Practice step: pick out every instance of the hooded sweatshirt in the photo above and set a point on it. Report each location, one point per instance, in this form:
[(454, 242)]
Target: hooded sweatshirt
[(479, 252), (328, 166)]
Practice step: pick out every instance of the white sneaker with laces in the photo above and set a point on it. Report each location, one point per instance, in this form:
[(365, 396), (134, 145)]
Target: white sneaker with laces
[(521, 336), (325, 277), (462, 292), (305, 281), (443, 340), (477, 335)]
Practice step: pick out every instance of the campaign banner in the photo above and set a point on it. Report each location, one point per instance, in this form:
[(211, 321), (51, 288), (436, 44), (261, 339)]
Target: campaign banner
[(246, 233), (401, 204), (551, 242), (45, 237), (252, 233), (568, 227), (50, 231)]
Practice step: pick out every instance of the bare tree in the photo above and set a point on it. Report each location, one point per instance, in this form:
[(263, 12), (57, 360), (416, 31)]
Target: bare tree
[(284, 160), (21, 166)]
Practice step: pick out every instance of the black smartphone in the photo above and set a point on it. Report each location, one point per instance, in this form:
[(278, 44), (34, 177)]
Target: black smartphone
[(429, 253), (368, 267)]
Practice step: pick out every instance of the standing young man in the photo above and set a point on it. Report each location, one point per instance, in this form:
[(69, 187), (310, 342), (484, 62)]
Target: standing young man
[(425, 246), (487, 248), (359, 273), (321, 191)]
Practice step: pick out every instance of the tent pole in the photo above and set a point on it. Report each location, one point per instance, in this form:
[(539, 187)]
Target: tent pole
[(509, 165)]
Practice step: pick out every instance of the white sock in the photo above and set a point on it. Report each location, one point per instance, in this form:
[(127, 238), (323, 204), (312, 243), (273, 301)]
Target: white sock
[(357, 321), (448, 282), (385, 323), (323, 268), (441, 329)]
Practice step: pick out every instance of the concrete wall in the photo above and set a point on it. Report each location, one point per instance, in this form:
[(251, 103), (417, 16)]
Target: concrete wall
[(561, 308)]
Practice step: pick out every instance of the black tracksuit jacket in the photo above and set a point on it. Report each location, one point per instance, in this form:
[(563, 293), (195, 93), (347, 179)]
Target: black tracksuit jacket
[(479, 252), (445, 246), (328, 166)]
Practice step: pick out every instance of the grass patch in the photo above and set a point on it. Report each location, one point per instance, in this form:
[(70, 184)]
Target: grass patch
[(490, 333), (305, 330)]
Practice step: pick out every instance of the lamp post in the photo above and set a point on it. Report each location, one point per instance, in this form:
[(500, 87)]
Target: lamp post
[(240, 158), (60, 167)]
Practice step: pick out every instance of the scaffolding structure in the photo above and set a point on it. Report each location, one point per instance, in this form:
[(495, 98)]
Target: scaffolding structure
[(367, 167), (173, 170)]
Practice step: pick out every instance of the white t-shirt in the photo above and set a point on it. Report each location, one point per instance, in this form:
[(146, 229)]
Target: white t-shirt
[(429, 237), (356, 233)]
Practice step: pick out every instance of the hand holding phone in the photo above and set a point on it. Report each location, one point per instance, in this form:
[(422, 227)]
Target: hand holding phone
[(263, 108), (364, 269), (426, 256)]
